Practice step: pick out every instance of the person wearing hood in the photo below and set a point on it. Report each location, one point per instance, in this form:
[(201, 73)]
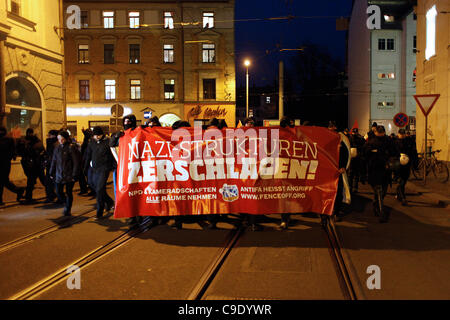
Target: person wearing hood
[(7, 153), (32, 151), (100, 158), (65, 169)]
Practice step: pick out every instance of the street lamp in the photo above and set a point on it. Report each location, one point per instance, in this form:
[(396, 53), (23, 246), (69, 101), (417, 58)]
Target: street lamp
[(247, 64)]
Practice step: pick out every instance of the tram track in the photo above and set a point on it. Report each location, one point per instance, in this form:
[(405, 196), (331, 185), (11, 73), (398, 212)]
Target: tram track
[(47, 230), (345, 282), (93, 256)]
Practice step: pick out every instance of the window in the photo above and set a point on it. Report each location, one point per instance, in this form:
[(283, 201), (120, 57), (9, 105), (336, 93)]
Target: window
[(110, 89), (134, 19), (15, 6), (168, 53), (84, 19), (84, 89), (386, 76), (209, 88), (169, 89), (83, 53), (168, 20), (390, 44), (108, 19), (208, 20), (414, 44), (386, 104), (431, 33), (108, 54), (267, 100), (135, 53), (135, 89), (386, 44), (209, 53), (388, 18)]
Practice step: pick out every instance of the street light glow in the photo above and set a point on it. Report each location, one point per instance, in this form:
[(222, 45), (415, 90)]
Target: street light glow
[(247, 63)]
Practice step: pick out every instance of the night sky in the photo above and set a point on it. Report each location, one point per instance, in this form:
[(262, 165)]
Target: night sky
[(255, 37)]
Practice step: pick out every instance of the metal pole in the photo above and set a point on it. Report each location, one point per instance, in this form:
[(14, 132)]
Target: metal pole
[(281, 90), (246, 115), (425, 153)]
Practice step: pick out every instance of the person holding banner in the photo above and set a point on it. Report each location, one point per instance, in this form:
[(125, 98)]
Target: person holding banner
[(285, 217), (102, 163)]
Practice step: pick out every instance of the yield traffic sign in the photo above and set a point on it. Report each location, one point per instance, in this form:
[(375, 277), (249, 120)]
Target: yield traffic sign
[(426, 102)]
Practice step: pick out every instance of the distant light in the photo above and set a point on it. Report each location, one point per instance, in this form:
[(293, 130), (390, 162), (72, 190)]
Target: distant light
[(94, 111), (247, 63), (388, 18)]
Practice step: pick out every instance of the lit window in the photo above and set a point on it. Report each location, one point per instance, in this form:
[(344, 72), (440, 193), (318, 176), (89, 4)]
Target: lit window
[(135, 89), (108, 19), (83, 53), (267, 99), (168, 53), (134, 19), (209, 53), (110, 89), (84, 89), (208, 20), (169, 89), (135, 53), (388, 18), (168, 20), (431, 33), (390, 75)]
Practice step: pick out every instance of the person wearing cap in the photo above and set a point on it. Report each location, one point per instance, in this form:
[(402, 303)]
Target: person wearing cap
[(378, 150), (407, 152), (65, 169), (356, 165), (102, 162)]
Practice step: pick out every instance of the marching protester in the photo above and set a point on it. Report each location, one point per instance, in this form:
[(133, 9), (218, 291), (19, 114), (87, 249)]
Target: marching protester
[(378, 150), (87, 171), (356, 170), (32, 151), (128, 122), (371, 133), (102, 162), (51, 143), (65, 169), (7, 153), (153, 122), (407, 152)]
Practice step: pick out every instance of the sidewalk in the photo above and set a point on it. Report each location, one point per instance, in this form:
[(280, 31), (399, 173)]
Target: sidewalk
[(432, 189)]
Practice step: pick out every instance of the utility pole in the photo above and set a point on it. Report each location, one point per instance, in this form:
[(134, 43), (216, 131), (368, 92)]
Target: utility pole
[(281, 90)]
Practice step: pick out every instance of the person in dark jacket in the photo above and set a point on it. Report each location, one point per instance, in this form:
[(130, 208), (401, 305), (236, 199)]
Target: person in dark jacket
[(286, 122), (408, 152), (102, 163), (378, 151), (51, 143), (129, 122), (7, 153), (356, 166), (32, 152), (86, 172), (65, 169)]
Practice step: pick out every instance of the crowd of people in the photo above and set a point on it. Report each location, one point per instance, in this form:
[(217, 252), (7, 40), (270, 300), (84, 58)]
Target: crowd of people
[(375, 158)]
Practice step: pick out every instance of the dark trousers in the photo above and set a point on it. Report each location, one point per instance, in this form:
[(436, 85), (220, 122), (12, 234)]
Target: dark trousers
[(379, 192), (4, 180), (353, 176), (50, 186), (403, 176), (67, 196), (32, 176), (83, 183), (100, 176), (339, 196)]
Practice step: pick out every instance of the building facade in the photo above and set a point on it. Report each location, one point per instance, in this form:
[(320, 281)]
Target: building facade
[(172, 59), (433, 63), (31, 68), (381, 64)]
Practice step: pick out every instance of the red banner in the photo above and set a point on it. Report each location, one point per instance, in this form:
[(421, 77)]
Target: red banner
[(162, 172)]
